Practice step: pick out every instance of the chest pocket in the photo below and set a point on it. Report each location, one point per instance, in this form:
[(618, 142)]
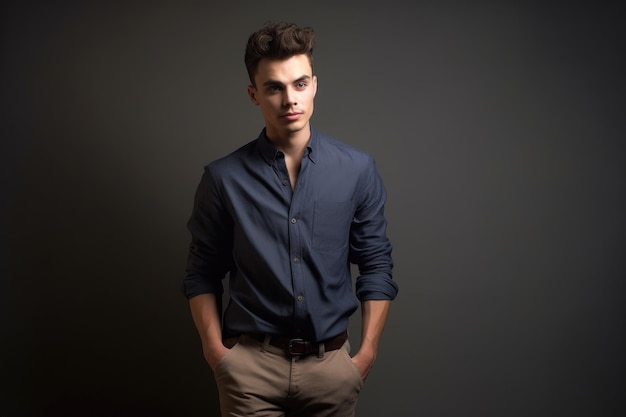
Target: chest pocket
[(331, 225)]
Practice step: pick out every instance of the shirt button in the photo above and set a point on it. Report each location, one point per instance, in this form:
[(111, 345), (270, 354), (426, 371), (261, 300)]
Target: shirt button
[(300, 298), (296, 260), (293, 221), (285, 182)]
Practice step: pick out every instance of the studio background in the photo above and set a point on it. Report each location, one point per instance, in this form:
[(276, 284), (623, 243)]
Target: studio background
[(498, 128)]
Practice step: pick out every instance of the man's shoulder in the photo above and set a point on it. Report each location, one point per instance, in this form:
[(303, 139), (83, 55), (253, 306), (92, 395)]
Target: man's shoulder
[(332, 147), (233, 158)]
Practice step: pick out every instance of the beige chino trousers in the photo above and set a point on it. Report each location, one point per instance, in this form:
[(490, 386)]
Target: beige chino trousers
[(257, 379)]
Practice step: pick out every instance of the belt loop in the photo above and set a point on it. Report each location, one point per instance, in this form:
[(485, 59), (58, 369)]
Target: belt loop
[(321, 350), (266, 342)]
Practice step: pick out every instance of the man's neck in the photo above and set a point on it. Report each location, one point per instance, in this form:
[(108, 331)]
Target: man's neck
[(291, 143)]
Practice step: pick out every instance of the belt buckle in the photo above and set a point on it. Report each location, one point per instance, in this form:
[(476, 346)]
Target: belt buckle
[(293, 342)]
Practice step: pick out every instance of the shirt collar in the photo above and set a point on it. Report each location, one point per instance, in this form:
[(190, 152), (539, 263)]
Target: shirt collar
[(270, 153), (266, 149)]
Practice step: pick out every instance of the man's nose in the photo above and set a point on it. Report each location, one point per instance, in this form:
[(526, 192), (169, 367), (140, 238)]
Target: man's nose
[(289, 97)]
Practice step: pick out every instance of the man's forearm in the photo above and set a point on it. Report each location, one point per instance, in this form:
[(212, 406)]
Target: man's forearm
[(373, 317), (206, 317)]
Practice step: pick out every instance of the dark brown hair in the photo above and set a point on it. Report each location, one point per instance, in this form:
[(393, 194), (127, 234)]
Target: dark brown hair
[(278, 41)]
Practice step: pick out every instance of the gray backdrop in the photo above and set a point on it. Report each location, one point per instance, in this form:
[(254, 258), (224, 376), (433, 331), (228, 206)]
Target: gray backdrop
[(498, 128)]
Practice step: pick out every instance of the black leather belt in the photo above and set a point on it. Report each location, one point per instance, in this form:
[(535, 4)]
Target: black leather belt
[(302, 347)]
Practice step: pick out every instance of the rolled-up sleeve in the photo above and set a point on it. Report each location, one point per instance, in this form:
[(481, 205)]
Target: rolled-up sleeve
[(210, 252), (370, 248)]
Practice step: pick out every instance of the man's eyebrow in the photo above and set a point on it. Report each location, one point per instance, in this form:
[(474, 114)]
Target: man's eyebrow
[(272, 83), (278, 83)]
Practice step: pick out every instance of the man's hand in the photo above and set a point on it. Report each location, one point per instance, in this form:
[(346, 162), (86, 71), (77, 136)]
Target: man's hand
[(364, 361), (214, 354)]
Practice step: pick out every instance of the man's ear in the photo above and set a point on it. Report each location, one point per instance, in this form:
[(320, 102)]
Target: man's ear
[(314, 85), (252, 94)]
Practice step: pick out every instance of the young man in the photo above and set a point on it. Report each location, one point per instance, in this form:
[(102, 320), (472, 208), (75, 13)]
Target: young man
[(284, 216)]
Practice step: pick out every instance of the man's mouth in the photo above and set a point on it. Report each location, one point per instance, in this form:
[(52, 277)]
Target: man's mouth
[(291, 115)]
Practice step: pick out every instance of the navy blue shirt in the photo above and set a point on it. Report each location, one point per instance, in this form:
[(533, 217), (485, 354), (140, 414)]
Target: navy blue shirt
[(288, 252)]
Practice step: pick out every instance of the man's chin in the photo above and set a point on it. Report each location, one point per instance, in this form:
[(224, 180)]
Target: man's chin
[(296, 127)]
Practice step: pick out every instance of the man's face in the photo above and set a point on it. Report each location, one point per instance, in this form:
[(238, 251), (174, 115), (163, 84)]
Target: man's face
[(284, 91)]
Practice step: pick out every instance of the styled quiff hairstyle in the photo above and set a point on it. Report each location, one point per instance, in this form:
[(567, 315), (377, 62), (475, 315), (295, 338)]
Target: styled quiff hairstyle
[(278, 41)]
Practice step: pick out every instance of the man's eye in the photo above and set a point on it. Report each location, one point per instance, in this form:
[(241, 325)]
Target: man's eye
[(301, 84)]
